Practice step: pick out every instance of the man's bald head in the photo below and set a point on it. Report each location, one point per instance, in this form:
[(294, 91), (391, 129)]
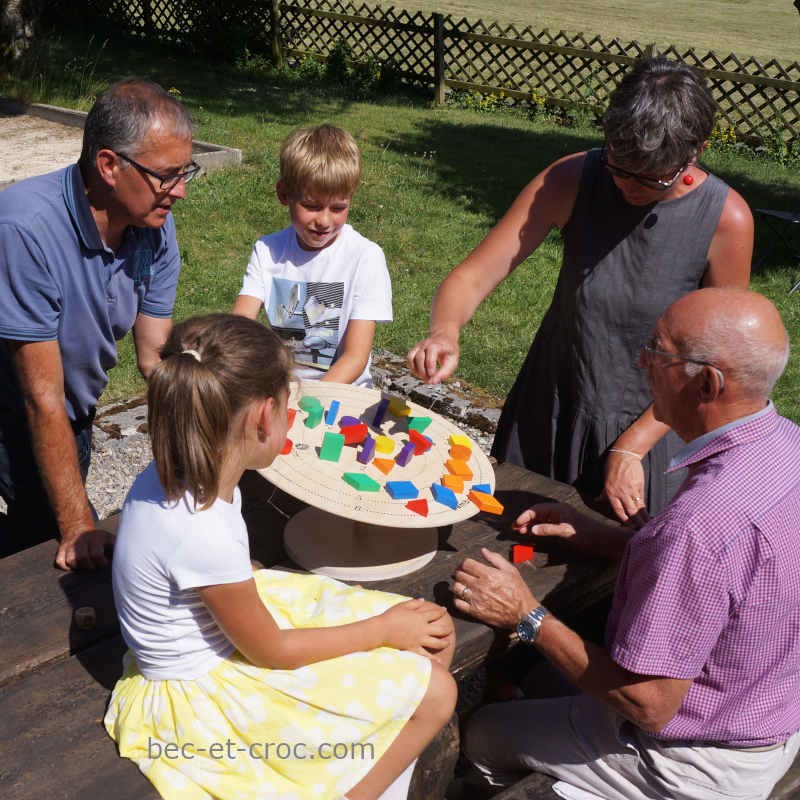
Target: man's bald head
[(738, 330)]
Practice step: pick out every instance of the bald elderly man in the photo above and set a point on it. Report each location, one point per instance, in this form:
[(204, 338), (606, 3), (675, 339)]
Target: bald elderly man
[(695, 694)]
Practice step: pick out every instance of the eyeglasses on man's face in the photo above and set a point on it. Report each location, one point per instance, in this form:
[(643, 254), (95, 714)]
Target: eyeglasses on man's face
[(648, 181), (648, 353), (165, 182)]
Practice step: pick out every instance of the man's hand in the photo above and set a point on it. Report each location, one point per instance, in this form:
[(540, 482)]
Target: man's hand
[(494, 593), (434, 359), (89, 549)]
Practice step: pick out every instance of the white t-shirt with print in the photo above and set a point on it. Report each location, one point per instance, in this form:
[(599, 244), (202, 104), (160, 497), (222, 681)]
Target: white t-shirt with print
[(163, 552), (311, 295)]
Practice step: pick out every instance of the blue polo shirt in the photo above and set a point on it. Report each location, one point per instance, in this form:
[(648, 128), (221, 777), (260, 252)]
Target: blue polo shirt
[(59, 281)]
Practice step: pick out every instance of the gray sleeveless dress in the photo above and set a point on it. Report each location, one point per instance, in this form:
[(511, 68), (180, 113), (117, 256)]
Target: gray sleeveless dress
[(580, 386)]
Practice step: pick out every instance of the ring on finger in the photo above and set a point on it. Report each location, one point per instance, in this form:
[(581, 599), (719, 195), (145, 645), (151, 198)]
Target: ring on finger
[(637, 498), (464, 593)]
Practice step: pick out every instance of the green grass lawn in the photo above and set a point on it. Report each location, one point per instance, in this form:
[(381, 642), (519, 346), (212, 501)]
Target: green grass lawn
[(435, 180), (762, 28)]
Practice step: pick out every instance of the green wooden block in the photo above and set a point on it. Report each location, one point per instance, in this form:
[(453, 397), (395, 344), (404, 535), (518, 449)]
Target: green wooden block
[(362, 482), (314, 417), (332, 444), (309, 403), (418, 424)]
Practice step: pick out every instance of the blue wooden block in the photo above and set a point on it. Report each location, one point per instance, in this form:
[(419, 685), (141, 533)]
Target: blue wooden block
[(367, 451), (330, 416), (443, 495), (482, 487), (406, 454), (380, 412), (402, 490)]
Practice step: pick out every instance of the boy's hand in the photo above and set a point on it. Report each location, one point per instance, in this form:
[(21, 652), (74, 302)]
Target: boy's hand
[(434, 359)]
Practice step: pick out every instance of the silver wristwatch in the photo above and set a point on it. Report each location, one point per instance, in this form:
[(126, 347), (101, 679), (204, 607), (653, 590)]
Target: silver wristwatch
[(528, 626)]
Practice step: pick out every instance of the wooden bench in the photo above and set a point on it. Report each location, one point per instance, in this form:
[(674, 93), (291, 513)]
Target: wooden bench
[(55, 676)]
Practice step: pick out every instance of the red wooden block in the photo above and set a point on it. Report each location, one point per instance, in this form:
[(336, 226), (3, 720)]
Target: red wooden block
[(354, 434), (290, 415), (418, 506), (287, 447), (421, 443), (521, 552)]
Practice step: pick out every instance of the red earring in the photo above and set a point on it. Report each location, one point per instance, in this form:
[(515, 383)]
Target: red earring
[(688, 180)]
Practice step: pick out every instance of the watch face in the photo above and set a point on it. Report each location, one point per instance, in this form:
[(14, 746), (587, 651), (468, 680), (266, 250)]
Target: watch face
[(525, 631)]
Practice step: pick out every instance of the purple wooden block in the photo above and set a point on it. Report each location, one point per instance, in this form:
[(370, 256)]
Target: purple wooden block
[(405, 455), (380, 412), (367, 451), (345, 421)]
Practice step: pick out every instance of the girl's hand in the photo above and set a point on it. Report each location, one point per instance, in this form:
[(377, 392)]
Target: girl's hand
[(624, 486), (417, 625)]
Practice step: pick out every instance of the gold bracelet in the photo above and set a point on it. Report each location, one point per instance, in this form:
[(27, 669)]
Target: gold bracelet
[(625, 452)]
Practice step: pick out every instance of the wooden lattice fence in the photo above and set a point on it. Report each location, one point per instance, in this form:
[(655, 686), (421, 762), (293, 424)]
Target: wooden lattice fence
[(757, 101)]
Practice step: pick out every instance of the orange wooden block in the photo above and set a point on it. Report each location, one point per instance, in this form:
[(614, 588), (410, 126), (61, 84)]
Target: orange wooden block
[(385, 465), (458, 467), (287, 447), (418, 506), (453, 482), (460, 452), (486, 502), (521, 552), (291, 415)]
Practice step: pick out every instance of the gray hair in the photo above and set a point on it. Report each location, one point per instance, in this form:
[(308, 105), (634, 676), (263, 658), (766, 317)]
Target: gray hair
[(746, 358), (125, 113), (658, 117)]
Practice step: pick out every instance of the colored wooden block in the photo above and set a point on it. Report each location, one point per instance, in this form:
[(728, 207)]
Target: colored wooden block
[(453, 482), (385, 465), (332, 444), (399, 407), (441, 494), (384, 444), (367, 451), (418, 506), (287, 447), (354, 434), (457, 467), (521, 552), (380, 412), (460, 453), (459, 438), (309, 403), (291, 414), (482, 487), (345, 421), (486, 502), (361, 482), (332, 412), (421, 443), (402, 490), (406, 454), (314, 417), (419, 424)]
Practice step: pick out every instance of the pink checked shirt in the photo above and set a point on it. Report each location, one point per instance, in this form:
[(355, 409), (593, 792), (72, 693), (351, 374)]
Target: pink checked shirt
[(709, 590)]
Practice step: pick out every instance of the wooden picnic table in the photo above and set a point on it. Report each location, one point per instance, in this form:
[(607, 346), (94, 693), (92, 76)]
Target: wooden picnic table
[(55, 677)]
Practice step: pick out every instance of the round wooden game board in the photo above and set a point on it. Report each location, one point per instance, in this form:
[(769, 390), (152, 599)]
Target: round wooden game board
[(357, 535)]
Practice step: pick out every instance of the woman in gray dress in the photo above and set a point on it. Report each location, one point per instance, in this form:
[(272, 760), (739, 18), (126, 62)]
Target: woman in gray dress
[(642, 225)]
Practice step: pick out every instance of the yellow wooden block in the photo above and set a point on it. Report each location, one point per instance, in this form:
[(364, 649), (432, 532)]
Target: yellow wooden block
[(399, 407), (457, 467), (385, 465), (453, 482), (460, 453), (459, 438), (384, 444), (486, 502)]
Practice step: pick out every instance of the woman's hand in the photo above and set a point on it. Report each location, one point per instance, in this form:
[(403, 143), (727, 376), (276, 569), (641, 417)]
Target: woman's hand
[(435, 358), (624, 486), (417, 625), (548, 519)]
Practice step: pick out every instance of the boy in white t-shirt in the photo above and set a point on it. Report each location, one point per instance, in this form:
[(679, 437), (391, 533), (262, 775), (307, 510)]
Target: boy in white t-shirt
[(323, 285)]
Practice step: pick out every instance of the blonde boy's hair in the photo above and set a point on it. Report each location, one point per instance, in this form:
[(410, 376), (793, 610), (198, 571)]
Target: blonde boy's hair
[(323, 159)]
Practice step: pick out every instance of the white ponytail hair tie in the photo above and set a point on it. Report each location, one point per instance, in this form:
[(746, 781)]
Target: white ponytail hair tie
[(193, 353)]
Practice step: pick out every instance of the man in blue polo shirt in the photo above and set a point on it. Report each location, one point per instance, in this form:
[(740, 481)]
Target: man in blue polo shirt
[(87, 253)]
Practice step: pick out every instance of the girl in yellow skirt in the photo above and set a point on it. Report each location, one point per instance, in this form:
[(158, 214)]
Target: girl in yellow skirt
[(254, 685)]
